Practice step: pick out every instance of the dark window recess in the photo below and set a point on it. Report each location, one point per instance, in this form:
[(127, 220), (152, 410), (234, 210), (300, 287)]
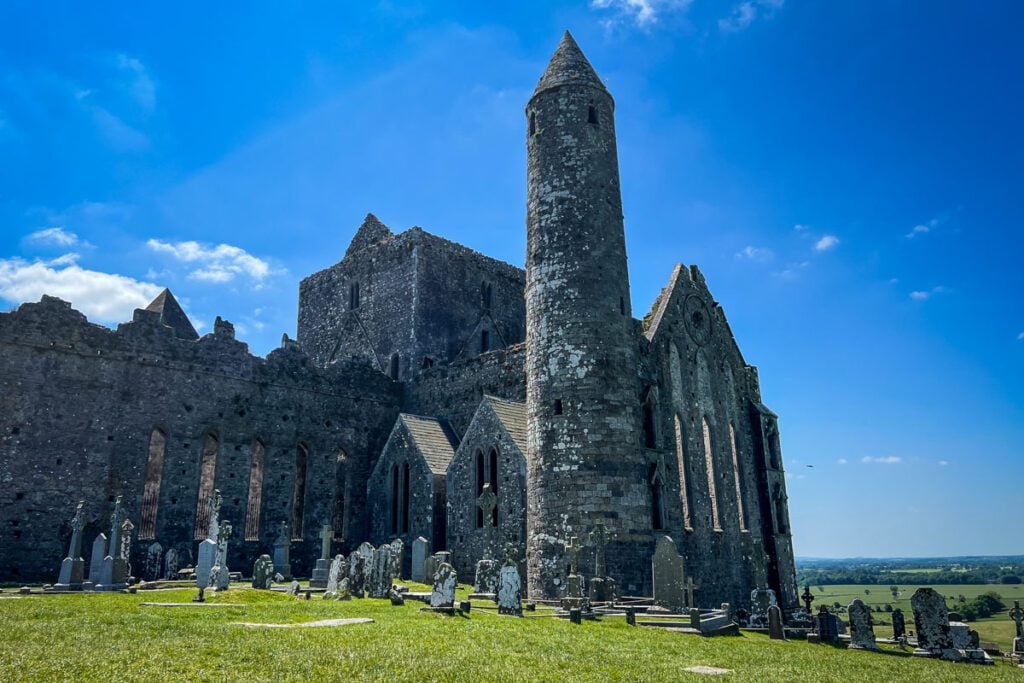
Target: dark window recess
[(405, 498), (353, 296), (485, 295), (533, 123), (650, 437), (485, 341), (428, 362), (592, 114), (622, 305), (494, 483), (479, 488), (394, 499), (299, 491), (558, 406), (393, 370), (657, 500)]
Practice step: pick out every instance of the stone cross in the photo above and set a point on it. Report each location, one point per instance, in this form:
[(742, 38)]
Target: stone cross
[(214, 528), (1018, 616), (115, 528), (283, 537), (511, 554), (326, 536), (126, 539), (75, 550), (690, 587), (808, 598), (600, 536), (487, 502), (573, 548)]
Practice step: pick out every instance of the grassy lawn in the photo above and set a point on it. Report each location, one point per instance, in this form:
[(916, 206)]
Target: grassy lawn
[(997, 629), (112, 637)]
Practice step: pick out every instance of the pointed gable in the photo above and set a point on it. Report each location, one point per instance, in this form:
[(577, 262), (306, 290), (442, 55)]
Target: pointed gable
[(568, 66), (512, 415), (172, 315), (371, 232), (652, 321), (433, 438)]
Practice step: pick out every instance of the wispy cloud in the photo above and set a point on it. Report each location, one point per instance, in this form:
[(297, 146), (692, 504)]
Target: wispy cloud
[(943, 463), (925, 294), (1020, 336), (103, 297), (826, 242), (922, 228), (643, 13), (215, 264), (137, 81), (759, 254), (842, 461), (51, 237), (883, 460), (746, 13)]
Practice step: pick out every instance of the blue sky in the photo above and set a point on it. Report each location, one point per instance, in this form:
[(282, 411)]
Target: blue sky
[(847, 174)]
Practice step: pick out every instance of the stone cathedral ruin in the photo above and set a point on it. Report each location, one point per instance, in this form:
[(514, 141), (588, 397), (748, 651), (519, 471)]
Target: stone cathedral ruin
[(425, 377)]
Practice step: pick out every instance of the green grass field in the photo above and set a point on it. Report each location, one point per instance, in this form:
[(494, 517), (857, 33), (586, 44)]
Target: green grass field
[(997, 629), (111, 637)]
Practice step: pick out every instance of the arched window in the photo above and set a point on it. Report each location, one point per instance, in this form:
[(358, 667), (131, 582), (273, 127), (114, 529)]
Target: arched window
[(650, 427), (592, 115), (151, 492), (479, 488), (772, 437), (675, 369), (736, 474), (252, 512), (353, 296), (207, 469), (494, 483), (684, 486), (405, 498), (394, 499), (393, 370), (709, 460), (342, 483), (299, 490), (780, 510), (485, 341)]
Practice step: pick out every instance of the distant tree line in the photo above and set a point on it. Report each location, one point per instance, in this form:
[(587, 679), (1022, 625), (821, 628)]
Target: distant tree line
[(874, 576)]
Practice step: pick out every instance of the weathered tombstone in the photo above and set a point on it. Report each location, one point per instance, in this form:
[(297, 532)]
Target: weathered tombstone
[(486, 577), (294, 589), (442, 557), (442, 594), (603, 588), (397, 558), (263, 572), (207, 558), (760, 600), (357, 574), (575, 615), (960, 634), (899, 625), (378, 578), (695, 618), (339, 569), (510, 585), (343, 592), (420, 551), (630, 616), (114, 571), (72, 569), (574, 588), (282, 551), (1017, 614), (775, 629), (171, 564), (827, 625), (154, 558), (99, 551), (931, 617), (322, 569), (395, 597), (862, 634), (365, 549), (667, 569), (219, 575), (808, 598)]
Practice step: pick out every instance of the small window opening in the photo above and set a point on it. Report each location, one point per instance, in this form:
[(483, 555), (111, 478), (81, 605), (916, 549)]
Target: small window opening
[(485, 295), (405, 498), (428, 362), (393, 371), (494, 483), (299, 490), (479, 488), (353, 296), (533, 123), (485, 341), (558, 406), (394, 499), (592, 114), (622, 305)]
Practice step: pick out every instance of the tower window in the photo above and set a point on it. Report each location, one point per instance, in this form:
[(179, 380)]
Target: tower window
[(485, 341), (485, 296), (353, 296), (393, 370), (558, 406), (622, 305), (533, 123), (592, 114)]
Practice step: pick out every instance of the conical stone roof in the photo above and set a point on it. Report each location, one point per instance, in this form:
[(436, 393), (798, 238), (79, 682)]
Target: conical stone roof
[(568, 66)]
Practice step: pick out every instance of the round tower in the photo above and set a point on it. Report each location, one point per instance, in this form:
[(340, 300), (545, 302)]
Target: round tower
[(584, 462)]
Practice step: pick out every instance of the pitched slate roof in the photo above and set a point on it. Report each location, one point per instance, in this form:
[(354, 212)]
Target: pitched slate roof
[(512, 415), (434, 439)]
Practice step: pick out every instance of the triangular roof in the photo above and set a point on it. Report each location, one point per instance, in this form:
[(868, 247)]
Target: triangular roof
[(371, 232), (434, 439), (172, 315), (661, 303), (568, 66), (512, 415)]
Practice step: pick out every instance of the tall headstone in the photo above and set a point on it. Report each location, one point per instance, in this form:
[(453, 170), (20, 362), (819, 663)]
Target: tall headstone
[(574, 588), (357, 574), (442, 595), (603, 588), (171, 564), (114, 572), (365, 549), (862, 633), (99, 551), (72, 569), (899, 625), (263, 572), (322, 569), (219, 574), (827, 626), (420, 552), (1017, 614), (338, 570), (397, 558), (213, 531), (775, 628), (510, 585), (931, 616), (379, 578), (204, 565), (668, 569), (760, 600), (154, 557), (808, 598), (282, 551)]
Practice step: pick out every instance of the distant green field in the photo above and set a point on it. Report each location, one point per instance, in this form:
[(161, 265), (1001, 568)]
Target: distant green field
[(996, 629)]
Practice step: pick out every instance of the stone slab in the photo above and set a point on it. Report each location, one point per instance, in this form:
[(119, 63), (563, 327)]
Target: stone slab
[(313, 624)]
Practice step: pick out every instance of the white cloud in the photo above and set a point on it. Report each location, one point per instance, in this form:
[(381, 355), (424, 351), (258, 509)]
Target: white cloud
[(943, 463), (841, 461), (800, 228), (886, 460), (52, 237), (925, 294), (745, 13), (759, 254), (216, 264), (1020, 336), (103, 297), (826, 242), (138, 81), (641, 12), (917, 230)]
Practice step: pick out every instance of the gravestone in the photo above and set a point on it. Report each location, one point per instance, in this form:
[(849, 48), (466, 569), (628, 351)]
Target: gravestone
[(154, 558), (365, 549), (220, 577), (574, 588), (695, 618), (775, 629), (443, 557), (931, 617), (72, 569), (207, 559), (899, 625), (808, 598), (760, 600), (99, 551), (397, 558), (396, 598), (510, 585), (486, 577), (339, 569), (343, 592), (282, 551), (603, 588), (862, 634), (827, 625), (667, 569), (442, 594), (960, 634), (322, 569), (171, 564), (420, 551), (1017, 614), (263, 572), (357, 574), (378, 578), (294, 589), (487, 501), (114, 571)]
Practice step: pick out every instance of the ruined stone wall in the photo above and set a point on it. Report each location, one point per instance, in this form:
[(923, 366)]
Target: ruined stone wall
[(80, 403), (465, 536), (423, 301), (454, 392)]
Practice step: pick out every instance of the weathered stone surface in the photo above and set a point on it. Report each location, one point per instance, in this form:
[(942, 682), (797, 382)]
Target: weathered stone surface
[(294, 589), (827, 625), (154, 561), (397, 558), (338, 570), (171, 564), (357, 569), (442, 593), (486, 576), (899, 624), (931, 618), (282, 551), (72, 569), (775, 627), (510, 591), (420, 553), (862, 632), (263, 573), (668, 569), (99, 551), (395, 597), (378, 581), (207, 558)]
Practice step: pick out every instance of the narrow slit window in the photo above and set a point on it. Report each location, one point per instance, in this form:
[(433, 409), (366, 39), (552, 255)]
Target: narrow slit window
[(405, 498), (207, 469), (252, 512), (299, 490), (684, 493), (393, 370), (657, 499), (394, 499), (592, 115), (709, 461), (650, 430), (736, 475), (479, 488), (558, 406), (494, 483), (533, 123), (342, 483), (485, 341), (151, 492), (353, 296)]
